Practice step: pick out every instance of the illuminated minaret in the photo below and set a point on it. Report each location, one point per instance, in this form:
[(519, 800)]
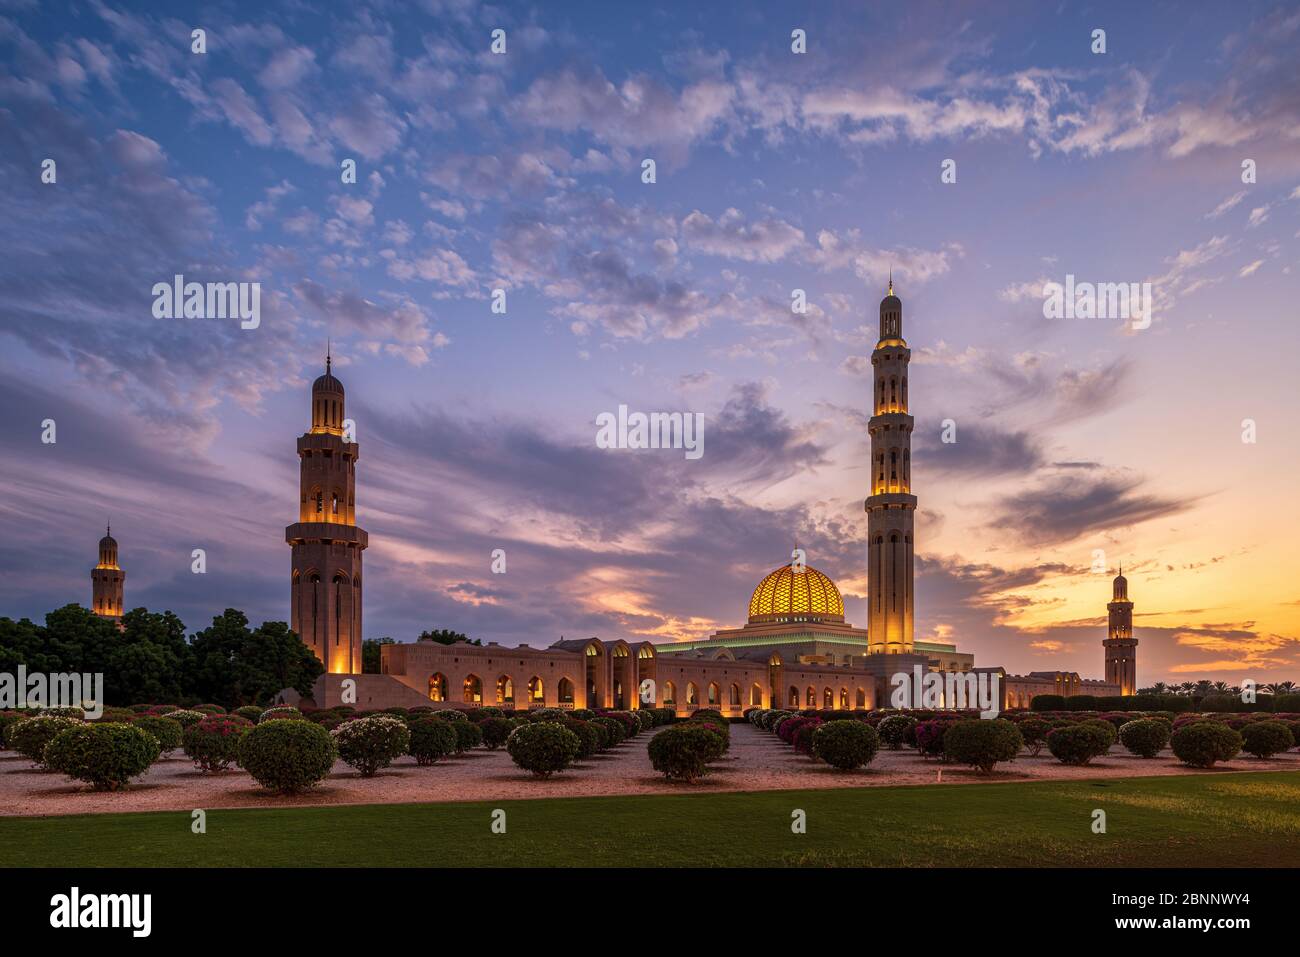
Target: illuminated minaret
[(327, 544), (1121, 646), (106, 580), (891, 505)]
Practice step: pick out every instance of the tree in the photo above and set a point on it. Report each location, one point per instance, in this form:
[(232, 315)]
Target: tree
[(371, 656), (234, 665), (445, 636)]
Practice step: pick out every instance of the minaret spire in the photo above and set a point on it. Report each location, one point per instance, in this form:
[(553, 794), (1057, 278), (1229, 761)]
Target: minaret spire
[(891, 280)]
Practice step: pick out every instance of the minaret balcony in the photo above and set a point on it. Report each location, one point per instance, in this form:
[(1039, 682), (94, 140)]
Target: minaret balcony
[(891, 500), (324, 441), (326, 532), (895, 421)]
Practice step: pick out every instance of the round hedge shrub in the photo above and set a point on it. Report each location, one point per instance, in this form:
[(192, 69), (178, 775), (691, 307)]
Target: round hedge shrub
[(683, 751), (1076, 744), (7, 720), (213, 743), (846, 745), (646, 719), (1201, 744), (30, 736), (431, 740), (210, 709), (451, 714), (287, 756), (1105, 729), (1264, 739), (614, 730), (249, 712), (468, 735), (893, 730), (371, 744), (114, 716), (929, 735), (1034, 732), (803, 738), (168, 732), (589, 737), (105, 756), (186, 717), (1145, 737), (489, 711), (543, 747), (547, 714), (495, 731), (281, 712), (981, 743), (582, 714)]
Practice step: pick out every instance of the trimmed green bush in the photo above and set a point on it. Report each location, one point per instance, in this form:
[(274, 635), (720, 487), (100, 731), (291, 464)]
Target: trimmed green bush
[(213, 743), (468, 735), (210, 709), (982, 743), (615, 732), (1105, 729), (431, 740), (495, 731), (1264, 739), (450, 714), (1047, 702), (7, 720), (893, 730), (114, 716), (186, 717), (846, 745), (543, 748), (282, 712), (1145, 737), (1202, 743), (168, 732), (105, 756), (683, 751), (249, 712), (30, 736), (371, 744), (1034, 732), (287, 756), (1077, 743), (589, 737)]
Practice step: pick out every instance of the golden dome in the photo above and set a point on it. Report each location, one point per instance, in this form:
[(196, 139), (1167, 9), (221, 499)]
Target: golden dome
[(787, 593)]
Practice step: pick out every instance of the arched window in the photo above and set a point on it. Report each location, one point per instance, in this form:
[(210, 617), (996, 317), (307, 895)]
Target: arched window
[(692, 693), (862, 698), (320, 503), (535, 690), (794, 697), (735, 696), (713, 694), (810, 697), (505, 690), (828, 699), (472, 690), (844, 699), (670, 693), (437, 687), (565, 691), (334, 503)]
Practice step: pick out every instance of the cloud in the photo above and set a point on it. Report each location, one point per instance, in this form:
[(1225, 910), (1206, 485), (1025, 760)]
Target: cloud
[(1061, 509), (730, 236), (980, 449)]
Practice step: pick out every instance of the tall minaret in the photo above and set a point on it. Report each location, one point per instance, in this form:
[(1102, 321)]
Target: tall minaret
[(891, 505), (327, 544), (106, 580), (1121, 646)]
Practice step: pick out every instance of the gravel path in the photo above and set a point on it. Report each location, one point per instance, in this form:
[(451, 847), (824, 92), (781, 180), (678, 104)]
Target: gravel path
[(758, 761)]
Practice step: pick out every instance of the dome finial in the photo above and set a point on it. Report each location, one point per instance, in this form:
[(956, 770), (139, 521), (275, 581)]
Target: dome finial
[(327, 355), (891, 279)]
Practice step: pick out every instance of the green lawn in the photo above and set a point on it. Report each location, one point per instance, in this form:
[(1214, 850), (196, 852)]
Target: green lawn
[(1204, 819)]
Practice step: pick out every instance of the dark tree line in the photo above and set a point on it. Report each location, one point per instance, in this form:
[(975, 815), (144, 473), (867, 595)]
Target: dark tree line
[(151, 660)]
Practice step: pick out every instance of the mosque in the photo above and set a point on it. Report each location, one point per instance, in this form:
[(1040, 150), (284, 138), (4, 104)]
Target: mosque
[(796, 650)]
